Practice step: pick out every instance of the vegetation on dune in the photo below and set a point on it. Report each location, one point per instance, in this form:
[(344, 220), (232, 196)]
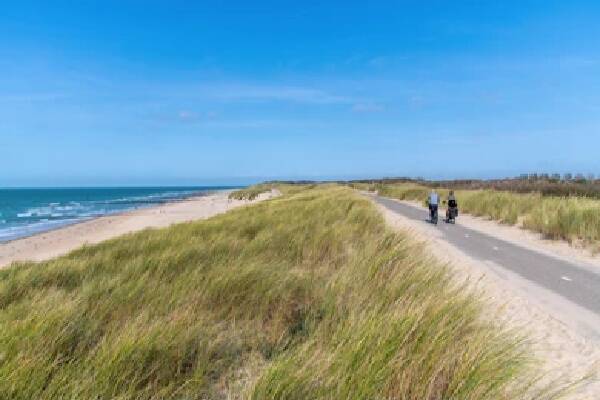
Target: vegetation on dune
[(570, 218), (249, 193), (307, 296), (541, 184)]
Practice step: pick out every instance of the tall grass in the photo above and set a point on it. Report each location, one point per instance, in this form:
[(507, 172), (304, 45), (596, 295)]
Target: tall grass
[(249, 193), (569, 218), (545, 186), (306, 296)]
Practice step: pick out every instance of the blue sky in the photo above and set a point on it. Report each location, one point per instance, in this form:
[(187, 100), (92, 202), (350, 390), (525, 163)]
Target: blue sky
[(149, 92)]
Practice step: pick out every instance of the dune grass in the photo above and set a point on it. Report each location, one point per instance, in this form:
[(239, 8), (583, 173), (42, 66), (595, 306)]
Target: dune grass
[(249, 193), (307, 296), (569, 218)]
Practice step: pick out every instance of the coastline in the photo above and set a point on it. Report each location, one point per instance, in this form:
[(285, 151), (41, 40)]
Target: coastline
[(45, 226), (53, 243)]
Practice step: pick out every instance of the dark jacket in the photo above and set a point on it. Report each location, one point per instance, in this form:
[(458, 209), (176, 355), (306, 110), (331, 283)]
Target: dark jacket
[(452, 201)]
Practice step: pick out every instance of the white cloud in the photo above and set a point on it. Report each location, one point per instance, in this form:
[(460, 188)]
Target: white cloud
[(578, 62), (31, 97), (185, 115), (416, 101), (193, 116), (278, 93), (367, 107), (378, 62)]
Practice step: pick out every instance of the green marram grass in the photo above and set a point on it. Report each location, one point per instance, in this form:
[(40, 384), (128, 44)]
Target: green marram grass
[(568, 218), (249, 193), (306, 296)]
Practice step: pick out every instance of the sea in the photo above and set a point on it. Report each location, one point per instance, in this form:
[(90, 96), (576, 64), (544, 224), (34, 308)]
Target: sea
[(24, 212)]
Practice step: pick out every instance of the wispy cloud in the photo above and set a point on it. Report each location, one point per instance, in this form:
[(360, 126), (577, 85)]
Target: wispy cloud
[(278, 93), (578, 62), (367, 107), (250, 124), (31, 97), (194, 116), (379, 61), (187, 116), (416, 101)]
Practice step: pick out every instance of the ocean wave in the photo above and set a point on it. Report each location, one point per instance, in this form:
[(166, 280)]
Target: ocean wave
[(146, 199), (53, 214), (19, 231)]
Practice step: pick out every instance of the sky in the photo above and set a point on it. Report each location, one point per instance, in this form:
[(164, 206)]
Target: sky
[(214, 92)]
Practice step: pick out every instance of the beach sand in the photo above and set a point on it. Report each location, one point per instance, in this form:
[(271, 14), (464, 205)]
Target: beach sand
[(54, 243)]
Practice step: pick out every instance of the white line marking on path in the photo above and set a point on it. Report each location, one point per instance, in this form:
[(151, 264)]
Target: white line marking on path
[(466, 235), (496, 248), (566, 278)]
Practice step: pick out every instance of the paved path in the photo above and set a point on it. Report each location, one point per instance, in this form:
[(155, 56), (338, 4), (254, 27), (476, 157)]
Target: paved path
[(577, 283)]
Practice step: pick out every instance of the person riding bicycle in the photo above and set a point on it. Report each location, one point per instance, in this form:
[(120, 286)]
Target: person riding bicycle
[(433, 201), (452, 210)]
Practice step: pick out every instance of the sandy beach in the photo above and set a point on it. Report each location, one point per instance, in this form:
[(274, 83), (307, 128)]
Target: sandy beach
[(54, 243)]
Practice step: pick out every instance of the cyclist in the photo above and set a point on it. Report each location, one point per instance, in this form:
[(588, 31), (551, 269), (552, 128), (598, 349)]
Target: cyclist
[(433, 201), (452, 210)]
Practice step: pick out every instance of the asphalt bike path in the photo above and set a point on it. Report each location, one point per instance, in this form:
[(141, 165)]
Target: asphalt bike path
[(572, 281)]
